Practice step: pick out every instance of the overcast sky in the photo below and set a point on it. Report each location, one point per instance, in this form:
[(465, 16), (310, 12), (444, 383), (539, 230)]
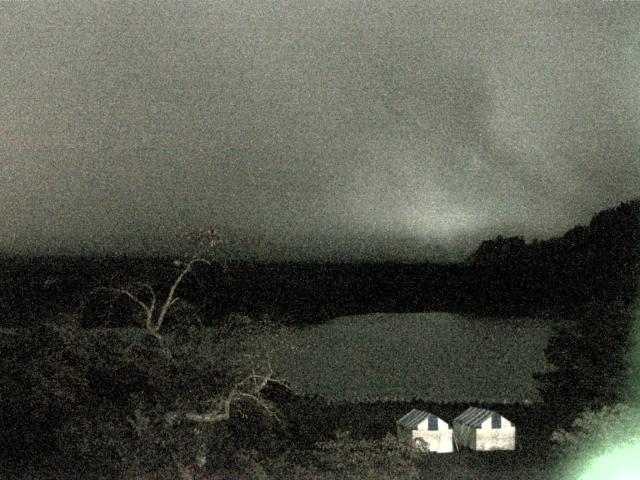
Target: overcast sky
[(323, 129)]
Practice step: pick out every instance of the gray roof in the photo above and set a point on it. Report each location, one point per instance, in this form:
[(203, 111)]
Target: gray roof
[(473, 416), (413, 418)]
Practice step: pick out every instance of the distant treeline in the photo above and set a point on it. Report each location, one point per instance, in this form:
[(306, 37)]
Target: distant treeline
[(594, 263), (504, 276)]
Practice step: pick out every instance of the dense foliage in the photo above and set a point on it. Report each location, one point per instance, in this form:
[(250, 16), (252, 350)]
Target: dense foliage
[(591, 357), (590, 360), (349, 459), (101, 397)]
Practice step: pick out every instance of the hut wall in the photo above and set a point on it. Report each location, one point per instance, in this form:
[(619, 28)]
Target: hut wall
[(485, 437), (496, 439), (440, 441)]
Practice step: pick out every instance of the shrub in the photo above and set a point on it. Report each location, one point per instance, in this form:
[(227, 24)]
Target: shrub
[(346, 458), (594, 433), (101, 397)]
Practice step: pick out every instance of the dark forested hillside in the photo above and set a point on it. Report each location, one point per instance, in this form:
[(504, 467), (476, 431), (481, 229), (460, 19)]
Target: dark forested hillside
[(504, 276), (594, 263)]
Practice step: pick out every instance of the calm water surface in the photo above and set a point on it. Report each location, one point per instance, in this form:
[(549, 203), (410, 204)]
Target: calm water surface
[(432, 356)]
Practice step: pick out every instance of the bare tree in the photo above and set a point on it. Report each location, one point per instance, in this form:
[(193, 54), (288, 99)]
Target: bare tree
[(155, 311)]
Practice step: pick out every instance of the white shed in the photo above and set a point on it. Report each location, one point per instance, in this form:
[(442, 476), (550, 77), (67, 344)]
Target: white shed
[(480, 429), (427, 431)]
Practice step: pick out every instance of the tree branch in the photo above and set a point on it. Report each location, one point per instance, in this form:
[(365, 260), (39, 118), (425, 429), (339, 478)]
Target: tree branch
[(170, 300), (222, 409), (151, 292), (148, 311)]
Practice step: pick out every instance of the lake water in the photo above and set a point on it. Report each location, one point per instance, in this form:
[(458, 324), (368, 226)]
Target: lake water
[(435, 356)]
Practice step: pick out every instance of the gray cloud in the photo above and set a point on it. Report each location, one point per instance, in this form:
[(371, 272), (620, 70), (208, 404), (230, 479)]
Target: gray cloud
[(349, 126)]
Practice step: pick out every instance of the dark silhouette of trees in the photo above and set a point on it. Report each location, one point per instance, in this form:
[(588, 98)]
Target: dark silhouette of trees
[(499, 250), (590, 356), (506, 276), (593, 263)]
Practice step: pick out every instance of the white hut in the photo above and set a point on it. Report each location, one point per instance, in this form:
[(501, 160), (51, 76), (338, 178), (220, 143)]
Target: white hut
[(427, 431), (480, 429)]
